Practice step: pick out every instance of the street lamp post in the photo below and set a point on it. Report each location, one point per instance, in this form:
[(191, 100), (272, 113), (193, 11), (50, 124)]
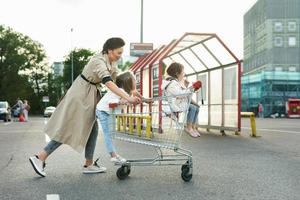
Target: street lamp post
[(72, 63), (142, 13)]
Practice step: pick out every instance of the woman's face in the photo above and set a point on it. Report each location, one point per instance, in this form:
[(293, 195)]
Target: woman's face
[(115, 54), (181, 75)]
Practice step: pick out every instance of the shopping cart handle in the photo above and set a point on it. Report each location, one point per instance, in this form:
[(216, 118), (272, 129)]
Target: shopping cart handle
[(113, 105)]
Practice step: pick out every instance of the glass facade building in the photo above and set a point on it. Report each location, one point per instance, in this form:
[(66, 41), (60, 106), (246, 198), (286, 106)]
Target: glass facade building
[(271, 71)]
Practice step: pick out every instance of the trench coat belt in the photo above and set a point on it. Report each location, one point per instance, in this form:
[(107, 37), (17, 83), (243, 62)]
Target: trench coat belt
[(84, 78)]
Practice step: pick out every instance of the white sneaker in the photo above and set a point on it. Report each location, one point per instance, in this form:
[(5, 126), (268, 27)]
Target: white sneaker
[(118, 159), (38, 165), (191, 133), (93, 169)]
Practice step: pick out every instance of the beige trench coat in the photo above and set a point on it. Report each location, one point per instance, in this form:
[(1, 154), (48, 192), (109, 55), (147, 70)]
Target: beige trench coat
[(74, 117)]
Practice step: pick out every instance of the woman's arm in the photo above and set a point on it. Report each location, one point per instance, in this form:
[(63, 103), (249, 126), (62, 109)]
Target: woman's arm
[(121, 93), (137, 94)]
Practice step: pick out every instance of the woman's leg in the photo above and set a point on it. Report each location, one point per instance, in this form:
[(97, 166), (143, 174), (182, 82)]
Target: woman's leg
[(38, 161), (26, 115), (50, 147), (90, 145)]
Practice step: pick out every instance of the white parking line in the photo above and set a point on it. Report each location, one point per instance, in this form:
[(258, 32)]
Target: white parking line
[(47, 138), (274, 130), (52, 197)]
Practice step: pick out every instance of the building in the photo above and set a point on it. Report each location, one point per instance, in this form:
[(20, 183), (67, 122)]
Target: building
[(58, 69), (271, 72)]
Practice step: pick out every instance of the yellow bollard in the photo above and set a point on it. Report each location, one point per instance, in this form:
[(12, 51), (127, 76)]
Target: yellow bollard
[(138, 124), (118, 123), (131, 124), (148, 126), (253, 125), (124, 123), (252, 122)]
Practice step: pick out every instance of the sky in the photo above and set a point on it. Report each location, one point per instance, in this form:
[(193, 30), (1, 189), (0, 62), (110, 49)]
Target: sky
[(93, 21)]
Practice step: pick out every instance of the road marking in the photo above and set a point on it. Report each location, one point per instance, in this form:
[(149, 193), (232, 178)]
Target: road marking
[(47, 138), (273, 130), (52, 197), (45, 121), (7, 123)]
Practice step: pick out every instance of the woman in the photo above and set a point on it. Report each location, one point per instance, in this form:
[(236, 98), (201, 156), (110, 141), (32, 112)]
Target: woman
[(26, 108), (176, 85), (74, 122)]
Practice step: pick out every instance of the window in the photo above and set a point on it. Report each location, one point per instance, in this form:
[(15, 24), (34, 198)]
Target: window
[(292, 26), (292, 69), (292, 41), (278, 27), (278, 69), (155, 73), (278, 41), (137, 78)]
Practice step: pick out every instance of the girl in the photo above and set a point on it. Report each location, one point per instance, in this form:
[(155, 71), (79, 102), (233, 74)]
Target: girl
[(173, 85), (126, 82)]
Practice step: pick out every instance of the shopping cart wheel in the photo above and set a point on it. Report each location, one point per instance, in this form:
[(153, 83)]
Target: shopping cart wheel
[(123, 172), (185, 174), (185, 166)]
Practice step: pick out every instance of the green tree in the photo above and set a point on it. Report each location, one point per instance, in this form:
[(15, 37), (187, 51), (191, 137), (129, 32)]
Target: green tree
[(23, 68), (55, 89), (125, 66), (80, 58)]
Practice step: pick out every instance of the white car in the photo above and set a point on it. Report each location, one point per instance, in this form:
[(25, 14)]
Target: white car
[(5, 111), (49, 111)]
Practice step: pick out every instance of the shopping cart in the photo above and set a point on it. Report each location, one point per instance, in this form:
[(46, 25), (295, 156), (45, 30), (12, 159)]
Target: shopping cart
[(159, 124)]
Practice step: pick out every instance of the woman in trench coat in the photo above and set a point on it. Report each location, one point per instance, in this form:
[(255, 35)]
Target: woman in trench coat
[(74, 122)]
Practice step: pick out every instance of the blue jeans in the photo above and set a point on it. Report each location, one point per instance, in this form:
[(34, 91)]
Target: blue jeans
[(192, 116), (105, 120), (89, 147)]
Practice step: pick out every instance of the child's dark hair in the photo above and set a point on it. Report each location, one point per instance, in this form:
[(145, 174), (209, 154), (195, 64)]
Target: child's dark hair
[(125, 81), (174, 70), (112, 43)]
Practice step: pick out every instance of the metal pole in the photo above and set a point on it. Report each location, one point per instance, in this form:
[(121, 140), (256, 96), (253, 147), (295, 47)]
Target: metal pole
[(72, 63), (142, 13)]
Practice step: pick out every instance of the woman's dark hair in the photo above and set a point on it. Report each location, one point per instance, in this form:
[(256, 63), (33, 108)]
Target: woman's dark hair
[(125, 81), (112, 43), (174, 70)]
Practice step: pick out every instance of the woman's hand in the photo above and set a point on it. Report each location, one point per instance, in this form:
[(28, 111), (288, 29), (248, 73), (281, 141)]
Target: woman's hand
[(123, 102), (147, 100), (134, 100)]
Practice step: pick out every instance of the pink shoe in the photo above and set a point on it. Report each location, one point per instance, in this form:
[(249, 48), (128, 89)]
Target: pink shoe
[(191, 133)]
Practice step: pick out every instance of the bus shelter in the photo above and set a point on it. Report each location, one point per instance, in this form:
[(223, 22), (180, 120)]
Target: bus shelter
[(206, 58)]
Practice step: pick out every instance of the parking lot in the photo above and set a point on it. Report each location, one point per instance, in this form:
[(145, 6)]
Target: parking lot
[(225, 167)]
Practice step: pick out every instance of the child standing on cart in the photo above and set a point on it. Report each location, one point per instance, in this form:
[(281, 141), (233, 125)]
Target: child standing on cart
[(126, 82)]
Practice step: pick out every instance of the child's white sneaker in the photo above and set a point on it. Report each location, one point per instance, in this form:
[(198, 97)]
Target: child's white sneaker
[(118, 159)]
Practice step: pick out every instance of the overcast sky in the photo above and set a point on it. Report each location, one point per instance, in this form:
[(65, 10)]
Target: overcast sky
[(93, 21)]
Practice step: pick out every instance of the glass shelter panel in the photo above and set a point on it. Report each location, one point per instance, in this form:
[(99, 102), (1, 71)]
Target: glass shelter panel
[(219, 51)]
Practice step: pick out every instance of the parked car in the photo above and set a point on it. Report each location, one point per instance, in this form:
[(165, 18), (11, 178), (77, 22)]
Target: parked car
[(5, 111), (49, 111)]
